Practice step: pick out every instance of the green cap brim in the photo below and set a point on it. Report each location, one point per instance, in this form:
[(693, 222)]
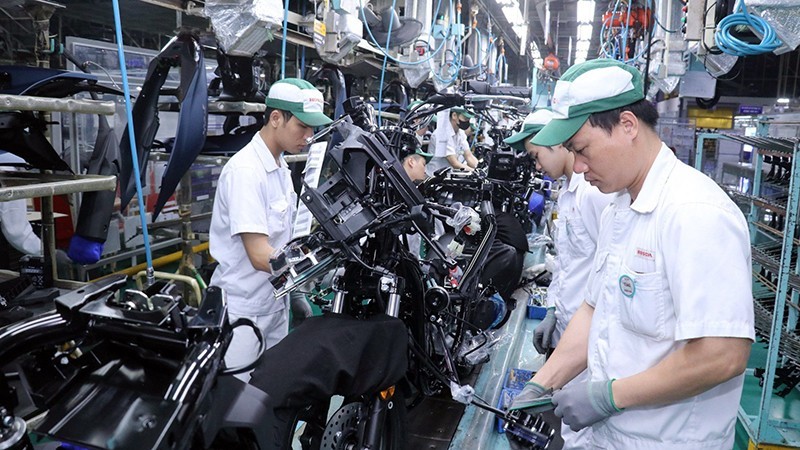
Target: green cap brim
[(559, 131), (517, 140), (463, 112), (314, 119), (424, 154)]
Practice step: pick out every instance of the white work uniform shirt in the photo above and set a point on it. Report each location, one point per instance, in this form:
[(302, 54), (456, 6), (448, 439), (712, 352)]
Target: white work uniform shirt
[(253, 195), (446, 142), (579, 208), (674, 265), (16, 228)]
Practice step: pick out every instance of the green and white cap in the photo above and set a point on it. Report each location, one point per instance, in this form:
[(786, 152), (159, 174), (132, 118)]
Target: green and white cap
[(300, 98), (532, 124), (593, 86)]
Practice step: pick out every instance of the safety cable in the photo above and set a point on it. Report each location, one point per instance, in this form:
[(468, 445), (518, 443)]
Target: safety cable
[(132, 136), (735, 46)]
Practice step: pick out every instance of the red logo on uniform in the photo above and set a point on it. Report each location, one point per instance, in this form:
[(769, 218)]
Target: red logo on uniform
[(644, 253)]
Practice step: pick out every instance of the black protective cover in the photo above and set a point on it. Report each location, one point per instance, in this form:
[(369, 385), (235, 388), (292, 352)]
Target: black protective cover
[(331, 355)]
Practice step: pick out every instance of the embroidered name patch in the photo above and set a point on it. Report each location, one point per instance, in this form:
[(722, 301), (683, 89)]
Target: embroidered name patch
[(645, 254)]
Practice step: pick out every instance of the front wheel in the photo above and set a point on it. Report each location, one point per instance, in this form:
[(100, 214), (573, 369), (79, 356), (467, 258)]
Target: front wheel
[(341, 430)]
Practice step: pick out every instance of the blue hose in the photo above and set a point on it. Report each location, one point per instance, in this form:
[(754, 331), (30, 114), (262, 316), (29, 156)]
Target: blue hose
[(733, 46), (383, 70), (386, 53), (131, 135)]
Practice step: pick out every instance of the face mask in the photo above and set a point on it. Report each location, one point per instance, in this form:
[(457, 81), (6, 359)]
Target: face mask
[(463, 124)]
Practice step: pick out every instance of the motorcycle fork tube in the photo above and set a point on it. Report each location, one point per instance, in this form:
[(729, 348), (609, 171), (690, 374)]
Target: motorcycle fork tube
[(375, 423), (338, 302), (394, 287), (393, 309)]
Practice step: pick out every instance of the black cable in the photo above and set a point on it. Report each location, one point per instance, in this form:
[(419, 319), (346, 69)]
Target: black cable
[(712, 50)]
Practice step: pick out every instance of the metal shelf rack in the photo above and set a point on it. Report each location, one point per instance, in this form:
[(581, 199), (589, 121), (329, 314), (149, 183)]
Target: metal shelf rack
[(776, 276)]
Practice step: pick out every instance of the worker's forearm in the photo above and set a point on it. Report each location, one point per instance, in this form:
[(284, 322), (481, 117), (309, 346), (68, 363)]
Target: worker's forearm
[(259, 251), (700, 365), (456, 164), (472, 161), (569, 358)]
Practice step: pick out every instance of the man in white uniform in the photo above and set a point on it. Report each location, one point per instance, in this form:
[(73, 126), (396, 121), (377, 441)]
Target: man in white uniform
[(14, 217), (16, 228), (253, 213), (667, 323), (579, 208), (449, 145)]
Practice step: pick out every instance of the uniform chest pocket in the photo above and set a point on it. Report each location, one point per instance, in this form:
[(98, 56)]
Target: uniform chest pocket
[(577, 239), (641, 300), (277, 215)]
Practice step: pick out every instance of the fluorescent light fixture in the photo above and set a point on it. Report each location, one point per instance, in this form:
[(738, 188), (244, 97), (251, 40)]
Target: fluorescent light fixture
[(582, 46), (585, 31), (783, 101), (585, 11)]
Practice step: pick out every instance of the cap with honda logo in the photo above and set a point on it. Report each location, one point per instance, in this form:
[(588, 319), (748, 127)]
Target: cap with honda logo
[(590, 87), (300, 98)]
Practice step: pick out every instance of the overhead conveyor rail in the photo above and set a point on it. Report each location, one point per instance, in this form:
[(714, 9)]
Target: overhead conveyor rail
[(10, 102)]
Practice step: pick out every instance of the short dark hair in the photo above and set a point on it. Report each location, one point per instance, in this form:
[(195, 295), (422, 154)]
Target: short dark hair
[(286, 114), (644, 110)]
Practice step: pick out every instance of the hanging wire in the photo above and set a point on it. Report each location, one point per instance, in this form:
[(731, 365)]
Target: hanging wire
[(453, 67), (383, 70), (735, 46), (132, 136), (386, 53), (283, 43)]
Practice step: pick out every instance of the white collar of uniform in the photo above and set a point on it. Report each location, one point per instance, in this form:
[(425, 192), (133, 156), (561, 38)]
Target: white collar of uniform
[(264, 155), (574, 181), (655, 180), (446, 130)]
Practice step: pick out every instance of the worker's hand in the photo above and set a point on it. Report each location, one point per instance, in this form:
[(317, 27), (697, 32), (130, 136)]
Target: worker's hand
[(301, 309), (529, 396), (543, 334), (582, 404)]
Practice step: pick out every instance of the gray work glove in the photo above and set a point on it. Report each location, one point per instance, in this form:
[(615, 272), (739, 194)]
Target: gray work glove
[(532, 395), (582, 404), (301, 309), (543, 334)]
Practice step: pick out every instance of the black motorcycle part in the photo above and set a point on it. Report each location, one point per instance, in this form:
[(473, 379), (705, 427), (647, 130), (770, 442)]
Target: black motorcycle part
[(184, 51), (97, 207)]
